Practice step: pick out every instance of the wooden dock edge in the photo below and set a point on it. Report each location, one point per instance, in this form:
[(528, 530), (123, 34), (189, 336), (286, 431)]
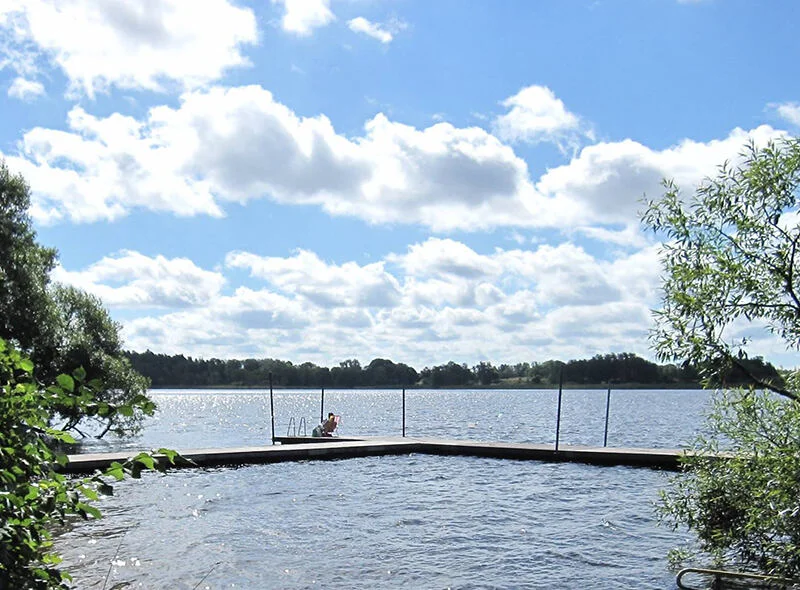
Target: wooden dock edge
[(307, 449)]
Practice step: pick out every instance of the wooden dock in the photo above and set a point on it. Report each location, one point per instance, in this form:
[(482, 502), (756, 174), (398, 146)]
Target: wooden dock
[(313, 449)]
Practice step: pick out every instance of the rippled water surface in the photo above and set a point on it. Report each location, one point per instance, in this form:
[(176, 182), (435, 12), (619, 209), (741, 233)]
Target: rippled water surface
[(412, 521), (637, 418)]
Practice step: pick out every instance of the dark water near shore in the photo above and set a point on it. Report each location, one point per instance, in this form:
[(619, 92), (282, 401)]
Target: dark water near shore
[(391, 522)]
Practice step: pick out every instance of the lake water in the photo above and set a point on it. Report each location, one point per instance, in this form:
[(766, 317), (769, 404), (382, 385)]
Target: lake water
[(391, 522)]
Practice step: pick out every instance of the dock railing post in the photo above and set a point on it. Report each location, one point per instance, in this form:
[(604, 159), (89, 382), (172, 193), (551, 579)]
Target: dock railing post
[(271, 408), (322, 407), (558, 412), (404, 412), (608, 405)]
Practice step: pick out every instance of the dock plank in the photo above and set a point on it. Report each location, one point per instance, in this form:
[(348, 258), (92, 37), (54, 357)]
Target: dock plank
[(306, 448)]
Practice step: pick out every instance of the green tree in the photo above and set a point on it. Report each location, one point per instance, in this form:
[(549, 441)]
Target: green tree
[(25, 303), (731, 258), (486, 373), (61, 328), (731, 254), (745, 510), (33, 495)]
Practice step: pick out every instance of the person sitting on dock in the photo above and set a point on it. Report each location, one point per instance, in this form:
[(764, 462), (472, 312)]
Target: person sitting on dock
[(330, 424)]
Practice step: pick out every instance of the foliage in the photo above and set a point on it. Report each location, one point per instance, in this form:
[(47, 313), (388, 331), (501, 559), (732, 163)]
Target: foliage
[(731, 263), (745, 509), (181, 371), (25, 305), (33, 495), (732, 258), (61, 328), (449, 375), (83, 335)]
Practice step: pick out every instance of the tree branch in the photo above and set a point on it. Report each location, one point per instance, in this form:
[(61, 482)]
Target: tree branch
[(768, 385)]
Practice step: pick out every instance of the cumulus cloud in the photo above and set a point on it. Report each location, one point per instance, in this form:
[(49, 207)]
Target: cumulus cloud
[(130, 44), (451, 272), (325, 285), (25, 89), (608, 180), (437, 257), (535, 115), (133, 280), (103, 169), (239, 144), (301, 17), (445, 301), (236, 144), (261, 309), (789, 111), (374, 30)]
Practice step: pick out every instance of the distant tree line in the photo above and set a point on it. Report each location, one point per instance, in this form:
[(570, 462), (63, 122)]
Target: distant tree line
[(625, 368)]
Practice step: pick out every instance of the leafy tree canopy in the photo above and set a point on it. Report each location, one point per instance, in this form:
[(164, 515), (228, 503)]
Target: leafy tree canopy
[(731, 258), (732, 262), (61, 328)]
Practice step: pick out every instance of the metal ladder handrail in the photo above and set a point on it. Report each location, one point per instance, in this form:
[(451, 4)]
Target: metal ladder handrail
[(719, 574), (294, 427)]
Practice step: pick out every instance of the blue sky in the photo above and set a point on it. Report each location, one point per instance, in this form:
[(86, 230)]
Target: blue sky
[(417, 180)]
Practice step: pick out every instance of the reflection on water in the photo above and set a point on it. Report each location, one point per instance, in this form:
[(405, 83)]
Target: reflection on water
[(201, 418), (390, 522)]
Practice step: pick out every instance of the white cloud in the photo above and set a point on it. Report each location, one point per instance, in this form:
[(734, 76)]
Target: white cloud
[(607, 181), (261, 310), (301, 17), (103, 169), (537, 115), (325, 285), (237, 144), (131, 44), (133, 280), (436, 257), (374, 30), (451, 272), (25, 89), (559, 275), (610, 325), (445, 302), (629, 235), (789, 111)]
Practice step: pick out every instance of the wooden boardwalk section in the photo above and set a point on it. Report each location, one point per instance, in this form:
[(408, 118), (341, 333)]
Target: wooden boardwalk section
[(315, 449)]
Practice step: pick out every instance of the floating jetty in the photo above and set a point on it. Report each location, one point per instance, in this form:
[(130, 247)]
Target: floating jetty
[(316, 449)]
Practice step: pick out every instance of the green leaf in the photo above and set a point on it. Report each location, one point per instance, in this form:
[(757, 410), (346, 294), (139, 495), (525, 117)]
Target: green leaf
[(115, 470), (26, 365), (85, 510), (88, 492), (146, 460), (62, 436), (66, 382), (169, 454), (79, 374)]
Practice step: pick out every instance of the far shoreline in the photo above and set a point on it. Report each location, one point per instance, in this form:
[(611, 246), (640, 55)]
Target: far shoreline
[(494, 387)]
